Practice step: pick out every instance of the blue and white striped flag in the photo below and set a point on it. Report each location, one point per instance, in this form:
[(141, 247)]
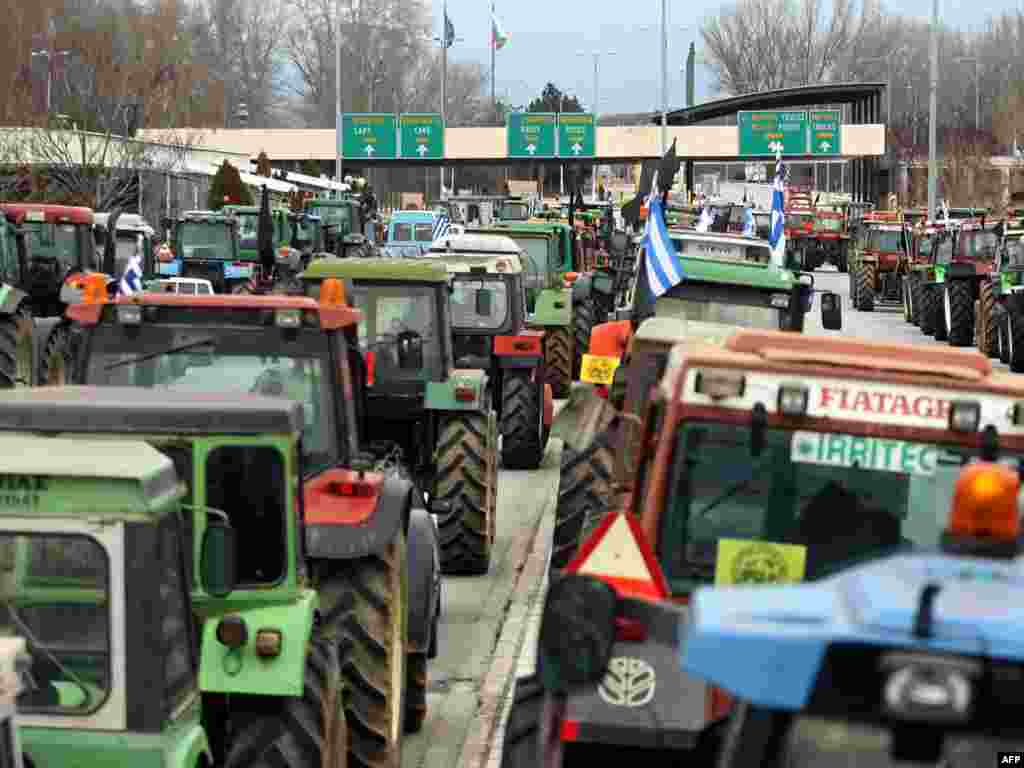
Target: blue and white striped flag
[(131, 280), (664, 269), (441, 226), (777, 234)]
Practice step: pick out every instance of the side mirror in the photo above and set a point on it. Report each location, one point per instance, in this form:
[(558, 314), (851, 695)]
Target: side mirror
[(483, 302), (410, 351), (831, 311), (577, 630), (218, 559)]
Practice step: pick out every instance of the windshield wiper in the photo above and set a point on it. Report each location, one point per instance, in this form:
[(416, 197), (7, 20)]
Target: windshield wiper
[(733, 490), (168, 351)]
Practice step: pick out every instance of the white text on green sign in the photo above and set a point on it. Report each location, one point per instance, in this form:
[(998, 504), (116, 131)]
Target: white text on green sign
[(868, 453)]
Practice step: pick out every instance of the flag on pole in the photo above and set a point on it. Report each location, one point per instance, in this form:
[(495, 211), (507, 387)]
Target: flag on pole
[(777, 234), (441, 226), (498, 35), (664, 269), (449, 31), (131, 280)]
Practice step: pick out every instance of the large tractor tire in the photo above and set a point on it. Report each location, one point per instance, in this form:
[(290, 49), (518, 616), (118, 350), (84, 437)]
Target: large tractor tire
[(928, 311), (915, 298), (865, 287), (905, 295), (842, 257), (16, 349), (583, 321), (585, 488), (366, 610), (466, 458), (959, 311), (520, 746), (55, 363), (853, 288), (1003, 337), (1015, 336), (306, 731), (522, 421), (985, 319), (940, 329), (558, 360)]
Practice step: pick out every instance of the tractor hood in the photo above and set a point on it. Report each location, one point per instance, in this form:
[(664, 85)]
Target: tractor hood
[(766, 643)]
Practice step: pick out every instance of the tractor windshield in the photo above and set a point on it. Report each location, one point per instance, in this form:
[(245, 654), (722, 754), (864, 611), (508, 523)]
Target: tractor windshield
[(514, 212), (885, 241), (205, 240), (201, 360), (55, 593), (978, 245), (827, 224), (708, 311), (479, 304), (838, 497), (397, 321), (69, 244), (248, 229), (338, 216)]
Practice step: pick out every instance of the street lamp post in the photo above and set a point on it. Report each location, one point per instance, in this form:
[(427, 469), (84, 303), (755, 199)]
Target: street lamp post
[(596, 110), (337, 93), (933, 109), (888, 80), (977, 87), (664, 76)]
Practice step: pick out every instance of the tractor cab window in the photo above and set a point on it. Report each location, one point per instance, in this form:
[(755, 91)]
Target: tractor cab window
[(514, 212), (337, 216), (740, 315), (248, 229), (246, 484), (536, 252), (1015, 253), (841, 498), (401, 327), (200, 240), (127, 245), (55, 592), (403, 233), (61, 242), (885, 241), (479, 304), (924, 247), (979, 245)]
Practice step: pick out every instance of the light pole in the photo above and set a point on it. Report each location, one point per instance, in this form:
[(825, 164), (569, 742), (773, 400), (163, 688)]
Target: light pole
[(664, 70), (933, 109), (337, 92), (446, 41), (977, 87), (888, 80), (596, 109)]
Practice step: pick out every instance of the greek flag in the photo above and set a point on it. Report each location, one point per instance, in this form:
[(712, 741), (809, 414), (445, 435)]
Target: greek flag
[(441, 226), (131, 280), (777, 234), (664, 269)]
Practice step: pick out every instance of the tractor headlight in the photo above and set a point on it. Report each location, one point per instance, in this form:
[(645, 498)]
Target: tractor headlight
[(793, 400), (288, 318), (780, 300), (129, 315), (927, 688)]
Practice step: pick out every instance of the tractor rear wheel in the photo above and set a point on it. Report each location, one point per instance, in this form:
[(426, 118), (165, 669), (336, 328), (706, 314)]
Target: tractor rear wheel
[(16, 349), (1002, 337), (465, 458), (960, 313), (585, 488), (55, 361), (558, 360), (522, 421), (306, 731), (415, 692), (520, 746), (841, 260), (865, 283), (928, 313), (986, 321), (365, 604), (583, 317), (941, 329), (1015, 336), (905, 295), (915, 298)]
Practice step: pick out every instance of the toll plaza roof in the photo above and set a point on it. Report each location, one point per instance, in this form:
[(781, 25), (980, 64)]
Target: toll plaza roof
[(141, 410), (781, 98)]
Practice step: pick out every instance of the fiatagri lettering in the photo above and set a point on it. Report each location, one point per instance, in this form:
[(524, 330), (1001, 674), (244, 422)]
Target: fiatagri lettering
[(21, 490), (887, 403)]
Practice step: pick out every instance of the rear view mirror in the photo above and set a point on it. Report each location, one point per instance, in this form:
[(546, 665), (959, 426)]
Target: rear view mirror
[(410, 350), (483, 302), (577, 631), (218, 560), (831, 311)]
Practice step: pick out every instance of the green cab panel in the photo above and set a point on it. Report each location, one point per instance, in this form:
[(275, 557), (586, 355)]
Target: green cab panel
[(440, 395), (553, 308), (223, 670)]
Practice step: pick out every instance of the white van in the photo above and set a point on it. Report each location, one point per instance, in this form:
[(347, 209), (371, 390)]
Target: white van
[(192, 286)]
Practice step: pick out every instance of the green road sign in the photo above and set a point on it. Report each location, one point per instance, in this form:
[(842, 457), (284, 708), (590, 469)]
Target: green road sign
[(531, 134), (825, 132), (366, 136), (576, 134), (421, 136), (763, 133)]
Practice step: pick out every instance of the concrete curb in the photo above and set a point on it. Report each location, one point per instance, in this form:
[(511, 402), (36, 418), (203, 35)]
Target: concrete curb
[(530, 583)]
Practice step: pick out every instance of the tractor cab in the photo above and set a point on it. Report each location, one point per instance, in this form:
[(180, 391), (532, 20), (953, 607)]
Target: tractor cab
[(248, 217), (134, 237), (879, 260), (205, 244), (342, 222), (515, 209)]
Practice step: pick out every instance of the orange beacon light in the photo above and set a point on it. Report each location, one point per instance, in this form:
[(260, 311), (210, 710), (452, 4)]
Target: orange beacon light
[(984, 519)]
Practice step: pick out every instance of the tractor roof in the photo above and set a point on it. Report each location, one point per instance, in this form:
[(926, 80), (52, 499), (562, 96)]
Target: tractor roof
[(476, 242), (491, 263), (398, 270), (54, 214), (126, 222), (208, 217), (142, 410)]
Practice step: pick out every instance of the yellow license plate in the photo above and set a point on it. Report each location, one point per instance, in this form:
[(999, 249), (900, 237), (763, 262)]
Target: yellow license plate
[(597, 369)]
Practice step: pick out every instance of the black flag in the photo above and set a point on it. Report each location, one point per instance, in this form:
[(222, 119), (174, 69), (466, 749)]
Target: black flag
[(667, 170), (265, 234), (110, 245)]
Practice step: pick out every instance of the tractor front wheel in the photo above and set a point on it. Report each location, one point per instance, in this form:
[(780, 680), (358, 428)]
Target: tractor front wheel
[(985, 320), (582, 324), (915, 298), (928, 312), (1003, 337), (865, 284), (1015, 337), (585, 488), (960, 312), (306, 731), (558, 360), (55, 361), (16, 349), (941, 327), (466, 458), (522, 420)]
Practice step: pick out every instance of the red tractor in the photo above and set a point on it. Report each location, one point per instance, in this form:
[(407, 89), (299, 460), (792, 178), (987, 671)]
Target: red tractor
[(799, 226), (830, 242)]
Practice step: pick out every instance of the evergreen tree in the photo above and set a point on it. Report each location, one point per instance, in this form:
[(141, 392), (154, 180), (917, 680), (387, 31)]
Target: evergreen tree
[(263, 165), (227, 189), (310, 167)]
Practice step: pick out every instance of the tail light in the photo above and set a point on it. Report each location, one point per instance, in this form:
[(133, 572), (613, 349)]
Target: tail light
[(629, 630), (353, 490), (371, 368), (465, 393)]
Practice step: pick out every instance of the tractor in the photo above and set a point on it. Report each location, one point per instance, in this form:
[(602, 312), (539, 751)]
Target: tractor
[(438, 418), (343, 220), (248, 226), (829, 241), (96, 568), (205, 244), (488, 305), (878, 261), (1005, 289), (923, 237), (158, 354)]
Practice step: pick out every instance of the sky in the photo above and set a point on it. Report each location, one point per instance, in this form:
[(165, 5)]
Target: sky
[(555, 41)]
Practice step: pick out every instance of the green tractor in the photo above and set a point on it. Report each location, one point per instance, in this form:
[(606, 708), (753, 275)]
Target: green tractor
[(490, 333), (343, 222), (438, 418), (248, 227), (379, 587), (206, 245), (548, 254), (16, 323), (95, 572), (1002, 298)]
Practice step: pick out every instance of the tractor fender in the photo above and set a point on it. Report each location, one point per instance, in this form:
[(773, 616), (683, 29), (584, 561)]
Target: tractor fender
[(553, 307), (549, 405), (424, 569), (10, 299), (189, 748), (525, 350), (226, 670), (442, 395), (338, 529)]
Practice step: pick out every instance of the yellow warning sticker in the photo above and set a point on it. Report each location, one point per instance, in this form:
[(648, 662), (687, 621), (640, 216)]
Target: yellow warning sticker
[(598, 369), (746, 561)]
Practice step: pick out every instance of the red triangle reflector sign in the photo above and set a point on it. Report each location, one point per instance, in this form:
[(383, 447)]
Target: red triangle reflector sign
[(617, 552)]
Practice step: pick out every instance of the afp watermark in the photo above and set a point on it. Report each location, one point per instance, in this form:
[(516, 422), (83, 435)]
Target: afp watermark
[(1011, 758)]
